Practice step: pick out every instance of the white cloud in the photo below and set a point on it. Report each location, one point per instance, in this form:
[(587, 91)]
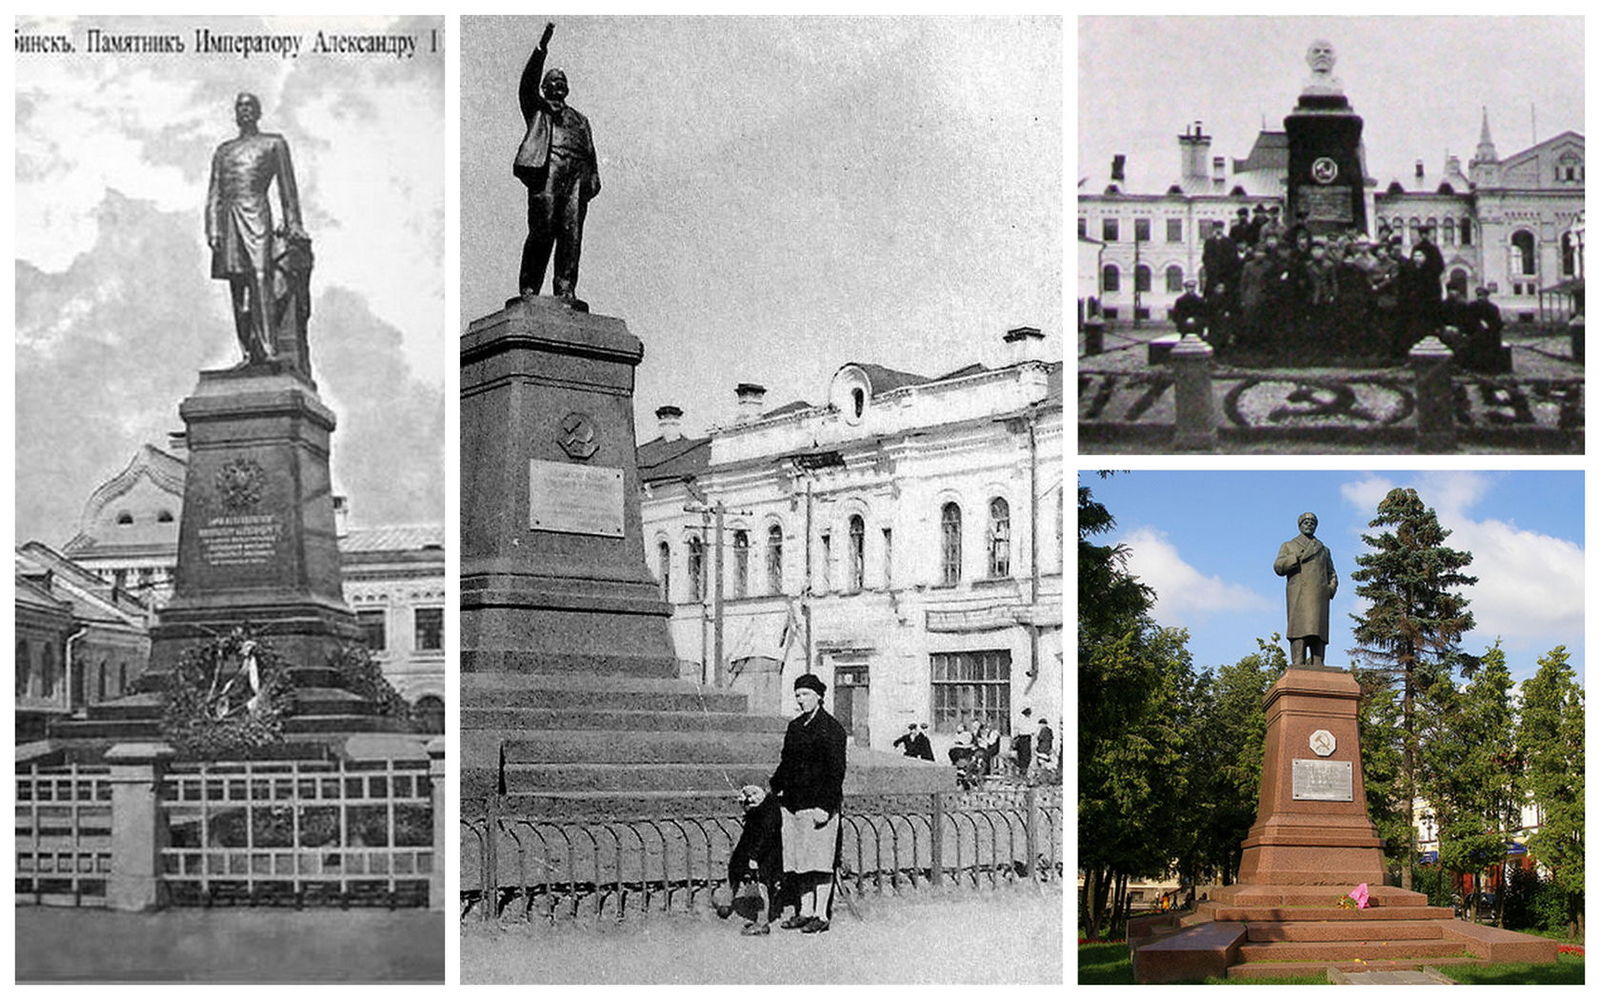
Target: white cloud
[(1183, 593)]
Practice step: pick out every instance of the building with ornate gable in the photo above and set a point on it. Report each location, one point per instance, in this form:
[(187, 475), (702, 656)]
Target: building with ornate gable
[(903, 537)]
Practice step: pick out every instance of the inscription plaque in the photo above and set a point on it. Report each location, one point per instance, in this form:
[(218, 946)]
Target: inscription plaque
[(240, 539), (1323, 780), (575, 499), (1327, 204)]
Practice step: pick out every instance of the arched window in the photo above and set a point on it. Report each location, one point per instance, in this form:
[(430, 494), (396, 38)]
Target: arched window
[(100, 683), (47, 671), (165, 517), (950, 544), (858, 401), (122, 679), (1523, 251), (999, 538), (697, 568), (1174, 278), (858, 553), (1111, 279), (123, 517), (664, 569), (1466, 231), (428, 714), (741, 563), (1141, 278), (1458, 279), (1569, 256), (1449, 232), (1413, 230), (23, 666), (775, 559)]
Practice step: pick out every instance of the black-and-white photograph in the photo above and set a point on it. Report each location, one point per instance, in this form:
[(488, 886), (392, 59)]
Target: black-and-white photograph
[(229, 499), (1330, 234), (762, 500)]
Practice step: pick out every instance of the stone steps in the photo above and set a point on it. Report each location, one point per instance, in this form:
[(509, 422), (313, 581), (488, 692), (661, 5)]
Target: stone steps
[(522, 721), (633, 777), (679, 746), (1344, 930), (631, 694), (1351, 951), (1279, 970), (1262, 914), (513, 661)]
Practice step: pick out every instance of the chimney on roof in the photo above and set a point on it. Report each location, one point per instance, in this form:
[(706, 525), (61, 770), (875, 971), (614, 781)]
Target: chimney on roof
[(1219, 171), (1117, 163), (1194, 148), (1420, 170), (1452, 165), (670, 420), (750, 397), (341, 516), (1026, 344), (178, 442)]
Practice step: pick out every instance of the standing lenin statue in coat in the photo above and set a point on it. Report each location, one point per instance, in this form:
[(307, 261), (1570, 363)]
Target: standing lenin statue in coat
[(1310, 587), (556, 162)]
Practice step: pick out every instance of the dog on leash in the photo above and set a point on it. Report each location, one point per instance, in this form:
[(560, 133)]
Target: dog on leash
[(755, 869)]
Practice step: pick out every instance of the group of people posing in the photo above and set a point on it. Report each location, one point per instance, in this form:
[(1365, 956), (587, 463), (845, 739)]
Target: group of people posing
[(979, 747), (1277, 290)]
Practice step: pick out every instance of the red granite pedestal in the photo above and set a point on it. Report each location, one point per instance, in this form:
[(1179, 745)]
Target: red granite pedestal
[(1312, 843)]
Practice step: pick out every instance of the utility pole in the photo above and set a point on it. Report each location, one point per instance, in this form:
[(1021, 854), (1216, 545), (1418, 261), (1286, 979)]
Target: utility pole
[(712, 516)]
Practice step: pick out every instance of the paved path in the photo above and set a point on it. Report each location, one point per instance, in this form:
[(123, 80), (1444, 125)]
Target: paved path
[(1002, 936), (226, 945)]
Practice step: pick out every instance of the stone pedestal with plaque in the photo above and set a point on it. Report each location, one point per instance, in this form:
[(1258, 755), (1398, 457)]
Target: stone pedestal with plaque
[(1311, 826), (553, 573)]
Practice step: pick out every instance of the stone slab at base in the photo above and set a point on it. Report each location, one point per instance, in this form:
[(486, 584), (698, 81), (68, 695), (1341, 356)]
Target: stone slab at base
[(1191, 954), (1159, 350)]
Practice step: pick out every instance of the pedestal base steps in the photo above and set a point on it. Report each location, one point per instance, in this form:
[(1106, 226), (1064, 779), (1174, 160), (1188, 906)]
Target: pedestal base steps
[(1258, 931)]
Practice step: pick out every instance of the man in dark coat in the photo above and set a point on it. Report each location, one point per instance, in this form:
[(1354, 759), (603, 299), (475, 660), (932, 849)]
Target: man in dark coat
[(809, 783), (1240, 231), (1220, 258), (1432, 273), (1482, 332), (1189, 311), (556, 162)]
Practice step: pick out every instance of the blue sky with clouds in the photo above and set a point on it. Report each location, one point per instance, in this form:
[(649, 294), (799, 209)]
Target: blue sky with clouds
[(1206, 540)]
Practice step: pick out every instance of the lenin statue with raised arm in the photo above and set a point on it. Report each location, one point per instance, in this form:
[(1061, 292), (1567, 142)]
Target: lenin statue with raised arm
[(556, 163)]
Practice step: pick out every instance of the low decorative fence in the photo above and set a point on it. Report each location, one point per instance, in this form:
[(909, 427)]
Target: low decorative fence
[(142, 832), (527, 867), (298, 832), (63, 842)]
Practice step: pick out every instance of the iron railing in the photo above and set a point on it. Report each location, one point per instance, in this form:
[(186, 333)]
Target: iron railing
[(63, 847), (533, 868), (298, 832)]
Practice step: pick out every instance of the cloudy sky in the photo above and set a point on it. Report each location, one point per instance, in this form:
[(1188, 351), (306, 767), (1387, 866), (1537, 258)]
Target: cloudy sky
[(782, 196), (1206, 540), (116, 312), (1419, 83)]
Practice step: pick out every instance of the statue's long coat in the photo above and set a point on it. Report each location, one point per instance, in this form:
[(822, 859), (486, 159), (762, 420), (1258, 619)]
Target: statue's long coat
[(1310, 586)]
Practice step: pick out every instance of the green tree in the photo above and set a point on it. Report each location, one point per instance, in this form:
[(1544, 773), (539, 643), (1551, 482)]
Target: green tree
[(1550, 739), (1414, 620), (1470, 771)]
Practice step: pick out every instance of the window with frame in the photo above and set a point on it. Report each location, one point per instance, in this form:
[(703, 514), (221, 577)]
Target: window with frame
[(664, 570), (888, 558), (950, 544), (1083, 227), (1523, 249), (1141, 230), (1174, 278), (1466, 232), (47, 671), (1110, 279), (428, 713), (22, 666), (430, 628), (827, 562), (999, 538), (100, 683), (741, 563), (775, 559), (122, 679), (697, 568), (857, 554), (374, 628), (1108, 230), (1174, 230), (1141, 278), (971, 685)]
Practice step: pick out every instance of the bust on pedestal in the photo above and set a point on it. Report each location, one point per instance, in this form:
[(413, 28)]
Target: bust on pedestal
[(1327, 179)]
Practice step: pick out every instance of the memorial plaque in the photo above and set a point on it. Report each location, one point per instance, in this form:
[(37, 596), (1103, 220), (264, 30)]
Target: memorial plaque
[(1326, 204), (576, 499), (1323, 780), (240, 539)]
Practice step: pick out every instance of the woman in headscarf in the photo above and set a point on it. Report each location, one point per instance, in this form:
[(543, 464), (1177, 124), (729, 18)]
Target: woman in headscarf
[(809, 783)]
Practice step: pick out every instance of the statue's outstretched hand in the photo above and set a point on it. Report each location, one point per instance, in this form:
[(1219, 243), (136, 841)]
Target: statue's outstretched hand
[(544, 39)]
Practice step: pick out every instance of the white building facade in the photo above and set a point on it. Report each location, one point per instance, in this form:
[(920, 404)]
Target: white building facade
[(904, 538)]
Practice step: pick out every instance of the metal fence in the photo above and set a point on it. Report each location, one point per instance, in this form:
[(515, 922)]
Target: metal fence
[(526, 867), (298, 832), (63, 846)]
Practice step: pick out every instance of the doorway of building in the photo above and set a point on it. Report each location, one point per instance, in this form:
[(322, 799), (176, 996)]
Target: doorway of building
[(852, 701)]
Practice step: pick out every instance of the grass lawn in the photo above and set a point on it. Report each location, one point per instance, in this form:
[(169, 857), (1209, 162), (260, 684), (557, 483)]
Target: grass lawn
[(1109, 964)]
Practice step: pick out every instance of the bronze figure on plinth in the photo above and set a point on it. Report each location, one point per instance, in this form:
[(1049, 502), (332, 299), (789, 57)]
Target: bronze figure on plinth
[(1308, 591), (556, 162), (268, 268)]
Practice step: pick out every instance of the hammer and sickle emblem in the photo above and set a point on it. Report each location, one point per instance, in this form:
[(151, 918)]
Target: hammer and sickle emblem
[(579, 437), (1324, 170), (1323, 401)]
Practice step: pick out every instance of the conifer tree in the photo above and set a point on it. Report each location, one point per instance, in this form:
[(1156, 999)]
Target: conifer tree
[(1414, 621), (1551, 744)]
